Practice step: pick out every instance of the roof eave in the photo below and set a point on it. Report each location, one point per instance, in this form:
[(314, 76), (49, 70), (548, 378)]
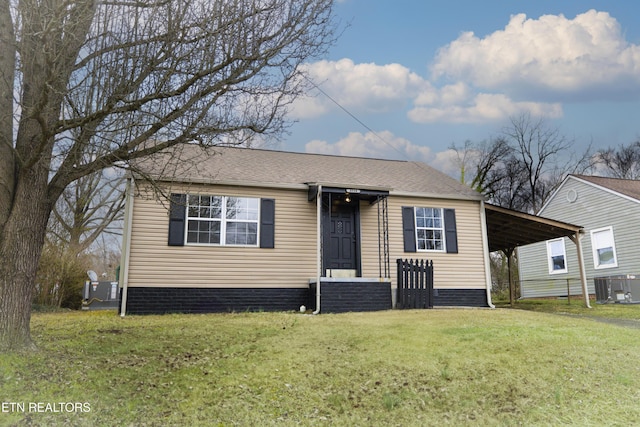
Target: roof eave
[(305, 186), (449, 196)]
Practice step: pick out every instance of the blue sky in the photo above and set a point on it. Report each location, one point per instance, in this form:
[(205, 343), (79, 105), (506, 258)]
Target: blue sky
[(423, 75)]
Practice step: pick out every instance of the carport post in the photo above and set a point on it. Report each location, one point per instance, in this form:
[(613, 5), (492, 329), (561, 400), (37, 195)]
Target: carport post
[(512, 291), (576, 238)]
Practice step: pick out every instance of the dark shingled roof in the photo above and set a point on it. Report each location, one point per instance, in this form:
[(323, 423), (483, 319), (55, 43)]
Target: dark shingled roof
[(194, 164)]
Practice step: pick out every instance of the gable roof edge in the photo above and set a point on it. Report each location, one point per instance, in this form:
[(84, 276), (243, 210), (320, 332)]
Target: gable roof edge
[(606, 189), (553, 195)]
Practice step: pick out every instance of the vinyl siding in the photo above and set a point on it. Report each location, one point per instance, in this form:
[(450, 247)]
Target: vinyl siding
[(289, 265), (293, 260), (593, 208), (464, 270)]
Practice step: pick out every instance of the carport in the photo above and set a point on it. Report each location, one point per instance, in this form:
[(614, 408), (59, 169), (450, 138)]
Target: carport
[(507, 229)]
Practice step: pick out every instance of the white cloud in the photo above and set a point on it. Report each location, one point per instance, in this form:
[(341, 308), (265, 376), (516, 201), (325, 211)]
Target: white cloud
[(367, 88), (370, 88), (383, 145), (550, 57), (448, 162), (458, 104), (532, 65)]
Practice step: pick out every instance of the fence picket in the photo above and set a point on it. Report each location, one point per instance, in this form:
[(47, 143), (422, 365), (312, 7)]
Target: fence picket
[(415, 283)]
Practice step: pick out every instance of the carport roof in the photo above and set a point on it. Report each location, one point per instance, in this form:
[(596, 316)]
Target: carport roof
[(508, 229)]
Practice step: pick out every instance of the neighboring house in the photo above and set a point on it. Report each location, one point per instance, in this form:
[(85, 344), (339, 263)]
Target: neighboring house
[(609, 211), (248, 229)]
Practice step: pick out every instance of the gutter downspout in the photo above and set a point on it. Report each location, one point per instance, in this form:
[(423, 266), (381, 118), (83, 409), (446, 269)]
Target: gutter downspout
[(318, 247), (485, 249), (126, 246)]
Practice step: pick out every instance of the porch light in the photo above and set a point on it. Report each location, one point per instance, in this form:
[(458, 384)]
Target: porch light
[(347, 197)]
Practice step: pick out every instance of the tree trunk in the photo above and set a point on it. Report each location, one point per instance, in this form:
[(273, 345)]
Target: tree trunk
[(7, 73), (21, 245)]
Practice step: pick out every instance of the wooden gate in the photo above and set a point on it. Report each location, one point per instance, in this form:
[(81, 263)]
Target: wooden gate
[(415, 284)]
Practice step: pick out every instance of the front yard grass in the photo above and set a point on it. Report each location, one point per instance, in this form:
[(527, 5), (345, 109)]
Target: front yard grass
[(405, 368), (576, 306)]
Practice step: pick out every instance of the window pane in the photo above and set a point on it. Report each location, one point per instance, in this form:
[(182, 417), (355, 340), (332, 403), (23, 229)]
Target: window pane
[(605, 256), (558, 262), (204, 222), (556, 248), (216, 207), (241, 233), (203, 232), (242, 208), (556, 255), (209, 232), (204, 206), (204, 212), (603, 239), (604, 253), (233, 207), (194, 200), (429, 229), (252, 234)]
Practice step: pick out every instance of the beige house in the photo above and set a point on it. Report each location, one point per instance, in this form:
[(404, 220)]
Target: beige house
[(247, 229)]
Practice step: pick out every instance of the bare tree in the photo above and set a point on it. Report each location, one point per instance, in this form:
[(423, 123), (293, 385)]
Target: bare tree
[(623, 162), (87, 208), (98, 84), (520, 169), (537, 150), (510, 187)]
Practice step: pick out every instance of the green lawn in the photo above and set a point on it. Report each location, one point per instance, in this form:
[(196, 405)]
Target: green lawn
[(406, 368), (577, 307)]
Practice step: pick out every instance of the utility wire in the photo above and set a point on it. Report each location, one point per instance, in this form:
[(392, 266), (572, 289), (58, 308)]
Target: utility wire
[(421, 165), (353, 116)]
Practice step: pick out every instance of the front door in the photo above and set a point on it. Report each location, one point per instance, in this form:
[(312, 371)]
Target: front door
[(341, 254)]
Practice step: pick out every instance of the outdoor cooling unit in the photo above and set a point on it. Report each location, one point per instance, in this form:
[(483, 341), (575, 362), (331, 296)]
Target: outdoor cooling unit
[(618, 289), (99, 295)]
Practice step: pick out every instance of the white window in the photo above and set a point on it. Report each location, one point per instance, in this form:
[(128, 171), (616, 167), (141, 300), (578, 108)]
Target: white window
[(557, 256), (429, 229), (604, 248), (222, 220)]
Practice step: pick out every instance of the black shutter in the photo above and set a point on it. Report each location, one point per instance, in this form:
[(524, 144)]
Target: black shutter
[(409, 229), (450, 232), (267, 223), (177, 216)]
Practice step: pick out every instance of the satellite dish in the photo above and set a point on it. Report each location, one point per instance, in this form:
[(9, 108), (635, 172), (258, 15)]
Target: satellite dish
[(93, 276)]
